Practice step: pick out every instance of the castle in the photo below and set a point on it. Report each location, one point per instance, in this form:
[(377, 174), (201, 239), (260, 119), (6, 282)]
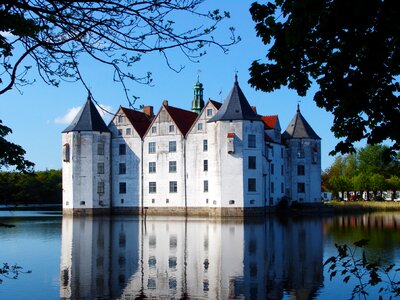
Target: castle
[(220, 159)]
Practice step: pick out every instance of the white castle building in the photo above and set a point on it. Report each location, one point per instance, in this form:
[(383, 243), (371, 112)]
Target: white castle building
[(218, 159)]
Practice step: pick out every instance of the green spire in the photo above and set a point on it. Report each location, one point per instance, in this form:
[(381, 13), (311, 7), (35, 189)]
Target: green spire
[(198, 102)]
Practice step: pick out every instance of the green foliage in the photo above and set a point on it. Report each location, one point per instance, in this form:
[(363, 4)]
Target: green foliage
[(371, 168), (349, 263), (12, 155), (349, 49), (39, 187)]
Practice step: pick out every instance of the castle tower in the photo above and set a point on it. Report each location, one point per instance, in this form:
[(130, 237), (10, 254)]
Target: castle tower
[(238, 176), (86, 163), (303, 161), (198, 102)]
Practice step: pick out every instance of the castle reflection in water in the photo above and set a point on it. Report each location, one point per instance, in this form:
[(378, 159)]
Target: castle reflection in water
[(133, 258)]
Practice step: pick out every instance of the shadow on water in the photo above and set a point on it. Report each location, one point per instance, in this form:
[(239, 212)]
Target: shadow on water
[(133, 258)]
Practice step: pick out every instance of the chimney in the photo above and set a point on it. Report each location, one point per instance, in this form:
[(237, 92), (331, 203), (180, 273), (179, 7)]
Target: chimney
[(148, 110), (165, 103)]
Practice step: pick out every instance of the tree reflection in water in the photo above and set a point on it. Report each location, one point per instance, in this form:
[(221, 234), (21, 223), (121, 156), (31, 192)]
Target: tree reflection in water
[(160, 257)]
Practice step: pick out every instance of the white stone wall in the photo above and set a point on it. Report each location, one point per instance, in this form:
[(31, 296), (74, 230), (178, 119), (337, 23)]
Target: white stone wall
[(256, 198), (161, 137), (304, 152), (80, 174), (275, 180), (195, 156), (132, 160)]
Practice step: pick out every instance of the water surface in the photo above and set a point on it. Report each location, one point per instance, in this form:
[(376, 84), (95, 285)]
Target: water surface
[(160, 257)]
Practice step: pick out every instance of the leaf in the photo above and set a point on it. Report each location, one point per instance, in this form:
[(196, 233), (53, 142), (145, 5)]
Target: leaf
[(346, 279), (361, 243)]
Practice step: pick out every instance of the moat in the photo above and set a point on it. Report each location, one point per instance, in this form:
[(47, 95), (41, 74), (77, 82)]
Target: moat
[(124, 257)]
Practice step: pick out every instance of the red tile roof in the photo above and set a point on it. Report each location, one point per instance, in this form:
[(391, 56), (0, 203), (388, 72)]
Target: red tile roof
[(184, 119), (270, 121), (139, 120)]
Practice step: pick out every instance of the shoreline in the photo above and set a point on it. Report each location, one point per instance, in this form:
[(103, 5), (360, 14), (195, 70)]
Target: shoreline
[(323, 208)]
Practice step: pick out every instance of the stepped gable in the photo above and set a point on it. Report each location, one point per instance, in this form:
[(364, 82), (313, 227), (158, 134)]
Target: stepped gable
[(183, 119), (139, 120), (299, 128), (235, 107), (270, 121), (88, 119)]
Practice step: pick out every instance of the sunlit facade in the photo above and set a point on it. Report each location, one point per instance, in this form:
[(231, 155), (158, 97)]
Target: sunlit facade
[(218, 159)]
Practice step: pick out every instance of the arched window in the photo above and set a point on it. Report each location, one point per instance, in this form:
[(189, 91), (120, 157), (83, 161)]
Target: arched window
[(66, 153)]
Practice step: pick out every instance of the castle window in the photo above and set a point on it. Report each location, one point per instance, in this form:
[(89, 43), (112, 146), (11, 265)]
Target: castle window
[(172, 146), (282, 187), (122, 168), (205, 165), (152, 187), (122, 149), (251, 185), (282, 170), (154, 129), (172, 166), (209, 112), (100, 168), (205, 186), (66, 152), (100, 187), (152, 167), (205, 145), (300, 170), (152, 147), (272, 187), (120, 119), (100, 148), (281, 152), (252, 162), (231, 202), (122, 187), (200, 126), (173, 187), (301, 188), (314, 156), (272, 169), (251, 139), (128, 131), (171, 128)]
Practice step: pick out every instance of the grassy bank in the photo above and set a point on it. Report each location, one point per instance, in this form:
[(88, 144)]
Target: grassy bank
[(364, 206)]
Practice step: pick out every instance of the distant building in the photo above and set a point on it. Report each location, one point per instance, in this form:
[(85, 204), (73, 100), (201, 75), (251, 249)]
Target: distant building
[(217, 159)]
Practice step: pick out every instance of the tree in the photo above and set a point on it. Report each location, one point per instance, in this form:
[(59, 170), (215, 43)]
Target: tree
[(53, 35), (116, 33), (12, 155), (349, 49), (362, 182)]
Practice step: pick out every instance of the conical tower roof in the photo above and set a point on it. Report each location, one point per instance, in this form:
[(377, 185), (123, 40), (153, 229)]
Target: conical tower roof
[(88, 119), (235, 107), (299, 128)]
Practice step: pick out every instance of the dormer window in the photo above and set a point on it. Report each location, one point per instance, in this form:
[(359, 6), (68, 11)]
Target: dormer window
[(200, 126), (209, 112), (171, 128), (120, 119)]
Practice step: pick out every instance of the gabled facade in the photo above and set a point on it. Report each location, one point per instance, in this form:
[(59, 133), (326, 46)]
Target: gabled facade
[(217, 159)]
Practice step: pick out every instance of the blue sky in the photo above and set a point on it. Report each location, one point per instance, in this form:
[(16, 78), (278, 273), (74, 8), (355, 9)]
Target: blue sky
[(39, 114)]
